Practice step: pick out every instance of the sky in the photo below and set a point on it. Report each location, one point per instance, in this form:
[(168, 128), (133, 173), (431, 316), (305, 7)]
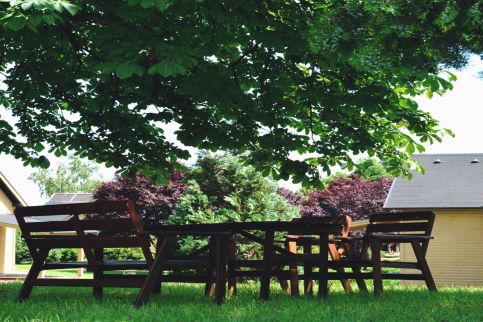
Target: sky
[(460, 110)]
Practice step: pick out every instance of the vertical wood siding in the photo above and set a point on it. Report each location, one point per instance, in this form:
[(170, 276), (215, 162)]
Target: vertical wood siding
[(455, 255)]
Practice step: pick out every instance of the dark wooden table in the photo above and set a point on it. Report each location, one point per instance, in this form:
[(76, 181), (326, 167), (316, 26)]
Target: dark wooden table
[(220, 233)]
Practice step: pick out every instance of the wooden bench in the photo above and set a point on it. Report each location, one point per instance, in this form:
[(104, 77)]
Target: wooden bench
[(90, 229), (405, 227)]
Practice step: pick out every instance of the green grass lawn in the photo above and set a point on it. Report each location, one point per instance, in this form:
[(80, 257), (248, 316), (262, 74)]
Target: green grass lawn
[(178, 302)]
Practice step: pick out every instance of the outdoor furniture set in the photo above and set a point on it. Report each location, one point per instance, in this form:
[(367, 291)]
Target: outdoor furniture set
[(117, 224)]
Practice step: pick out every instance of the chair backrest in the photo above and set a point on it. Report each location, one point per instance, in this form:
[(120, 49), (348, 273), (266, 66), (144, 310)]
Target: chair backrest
[(78, 226), (413, 223)]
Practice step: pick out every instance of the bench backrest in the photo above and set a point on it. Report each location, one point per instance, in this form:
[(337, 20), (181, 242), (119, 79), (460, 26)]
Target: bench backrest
[(79, 226), (414, 223)]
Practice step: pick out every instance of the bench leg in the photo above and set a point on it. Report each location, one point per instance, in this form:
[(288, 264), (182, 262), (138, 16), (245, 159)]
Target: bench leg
[(231, 269), (32, 275), (266, 266), (376, 265), (423, 264), (97, 291)]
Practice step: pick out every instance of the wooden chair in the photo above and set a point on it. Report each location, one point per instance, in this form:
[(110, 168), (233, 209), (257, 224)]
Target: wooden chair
[(405, 227), (293, 242)]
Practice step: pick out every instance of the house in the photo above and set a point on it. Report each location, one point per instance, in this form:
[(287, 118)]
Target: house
[(451, 187), (9, 199)]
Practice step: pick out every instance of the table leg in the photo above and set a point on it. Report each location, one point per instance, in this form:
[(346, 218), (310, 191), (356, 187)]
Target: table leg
[(155, 271), (376, 265), (98, 273), (267, 265), (308, 285), (221, 253), (323, 264)]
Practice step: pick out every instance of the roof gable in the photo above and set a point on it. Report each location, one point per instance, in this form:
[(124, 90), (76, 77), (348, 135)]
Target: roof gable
[(10, 192), (450, 181)]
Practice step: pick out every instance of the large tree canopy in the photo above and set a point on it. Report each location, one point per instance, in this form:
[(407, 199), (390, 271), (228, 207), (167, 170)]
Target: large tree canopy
[(265, 78)]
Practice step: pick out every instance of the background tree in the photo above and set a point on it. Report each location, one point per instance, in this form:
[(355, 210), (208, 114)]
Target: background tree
[(223, 189), (333, 79), (351, 196), (154, 202), (372, 169), (75, 175)]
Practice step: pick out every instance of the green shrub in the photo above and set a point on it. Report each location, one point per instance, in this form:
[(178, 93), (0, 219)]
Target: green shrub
[(222, 189)]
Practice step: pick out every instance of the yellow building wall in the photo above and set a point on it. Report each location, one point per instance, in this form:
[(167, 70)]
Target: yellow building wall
[(455, 255), (7, 238)]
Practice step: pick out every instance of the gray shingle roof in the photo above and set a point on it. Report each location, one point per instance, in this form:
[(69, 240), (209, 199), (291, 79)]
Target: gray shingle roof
[(455, 182), (61, 198)]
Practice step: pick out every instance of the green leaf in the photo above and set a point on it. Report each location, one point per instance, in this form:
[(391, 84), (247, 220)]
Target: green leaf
[(128, 69), (71, 8), (16, 22), (43, 162), (167, 68), (38, 147), (26, 5)]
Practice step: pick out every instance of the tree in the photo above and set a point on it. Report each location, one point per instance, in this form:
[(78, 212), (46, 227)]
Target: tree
[(333, 79), (222, 189), (372, 169), (351, 196), (155, 203), (74, 176)]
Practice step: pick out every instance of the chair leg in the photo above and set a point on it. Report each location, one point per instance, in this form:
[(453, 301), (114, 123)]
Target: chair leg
[(423, 264), (348, 249), (308, 282), (32, 275), (376, 265), (334, 254), (97, 291)]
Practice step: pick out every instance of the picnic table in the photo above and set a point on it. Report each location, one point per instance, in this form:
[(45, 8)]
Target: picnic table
[(220, 233)]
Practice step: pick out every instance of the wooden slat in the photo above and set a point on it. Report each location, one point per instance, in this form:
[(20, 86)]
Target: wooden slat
[(105, 282), (115, 242), (306, 228), (397, 227), (74, 208), (56, 242), (121, 224), (402, 216)]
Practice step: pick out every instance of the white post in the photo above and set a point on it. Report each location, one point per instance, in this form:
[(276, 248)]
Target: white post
[(7, 250), (80, 258)]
